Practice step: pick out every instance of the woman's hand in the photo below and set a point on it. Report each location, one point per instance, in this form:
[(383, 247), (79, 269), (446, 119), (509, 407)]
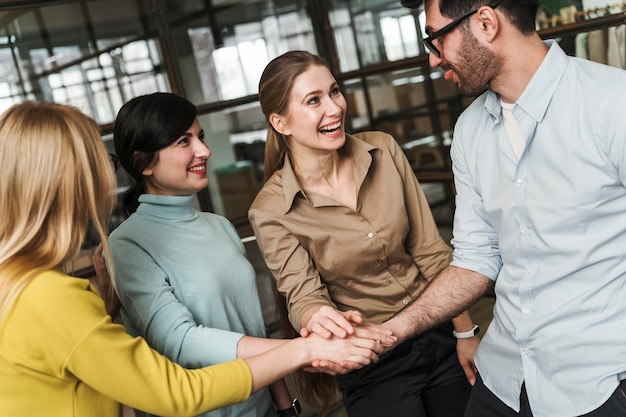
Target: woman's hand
[(103, 281), (342, 355), (327, 322)]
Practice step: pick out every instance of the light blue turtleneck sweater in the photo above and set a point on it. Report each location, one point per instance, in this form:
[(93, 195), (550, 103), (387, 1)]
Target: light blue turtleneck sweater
[(187, 287)]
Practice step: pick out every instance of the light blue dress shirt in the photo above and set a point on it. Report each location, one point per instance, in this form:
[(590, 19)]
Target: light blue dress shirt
[(187, 287), (550, 229)]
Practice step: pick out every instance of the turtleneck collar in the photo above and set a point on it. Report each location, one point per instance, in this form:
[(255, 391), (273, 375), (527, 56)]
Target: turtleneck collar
[(167, 206)]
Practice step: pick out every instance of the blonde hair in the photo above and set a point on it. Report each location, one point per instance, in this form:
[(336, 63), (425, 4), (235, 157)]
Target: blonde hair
[(56, 179)]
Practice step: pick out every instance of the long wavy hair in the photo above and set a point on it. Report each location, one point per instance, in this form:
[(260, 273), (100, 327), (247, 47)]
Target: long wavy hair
[(143, 126), (275, 88), (56, 179)]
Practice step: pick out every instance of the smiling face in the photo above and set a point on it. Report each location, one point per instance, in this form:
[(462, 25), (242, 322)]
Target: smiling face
[(180, 168), (465, 61), (315, 117)]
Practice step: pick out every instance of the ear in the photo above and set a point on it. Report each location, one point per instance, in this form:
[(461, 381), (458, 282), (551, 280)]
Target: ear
[(147, 172), (489, 22), (279, 124)]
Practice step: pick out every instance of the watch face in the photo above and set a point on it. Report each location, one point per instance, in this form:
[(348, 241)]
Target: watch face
[(296, 406)]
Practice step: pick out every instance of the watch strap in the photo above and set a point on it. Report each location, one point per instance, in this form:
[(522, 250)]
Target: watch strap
[(468, 334)]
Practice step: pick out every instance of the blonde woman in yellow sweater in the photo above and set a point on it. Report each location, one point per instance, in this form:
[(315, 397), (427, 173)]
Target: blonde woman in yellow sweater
[(60, 355)]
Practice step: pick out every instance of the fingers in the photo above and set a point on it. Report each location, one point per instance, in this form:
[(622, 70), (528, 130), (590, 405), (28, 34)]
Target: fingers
[(352, 316), (374, 332), (470, 373), (349, 353), (357, 352), (97, 258), (328, 322), (466, 350)]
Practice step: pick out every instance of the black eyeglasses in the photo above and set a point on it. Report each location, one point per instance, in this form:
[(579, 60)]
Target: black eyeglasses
[(428, 42)]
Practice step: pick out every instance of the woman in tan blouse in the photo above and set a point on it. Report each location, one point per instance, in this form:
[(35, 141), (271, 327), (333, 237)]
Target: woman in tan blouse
[(346, 230)]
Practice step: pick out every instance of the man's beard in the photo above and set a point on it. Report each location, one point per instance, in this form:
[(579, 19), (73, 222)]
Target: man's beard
[(475, 66)]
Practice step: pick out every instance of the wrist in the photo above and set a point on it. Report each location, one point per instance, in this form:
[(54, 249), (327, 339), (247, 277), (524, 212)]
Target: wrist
[(293, 411), (302, 349), (468, 334)]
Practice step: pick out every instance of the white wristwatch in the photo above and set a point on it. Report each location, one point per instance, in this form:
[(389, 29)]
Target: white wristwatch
[(468, 334)]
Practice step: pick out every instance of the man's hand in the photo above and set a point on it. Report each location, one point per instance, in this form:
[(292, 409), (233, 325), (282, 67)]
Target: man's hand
[(466, 350)]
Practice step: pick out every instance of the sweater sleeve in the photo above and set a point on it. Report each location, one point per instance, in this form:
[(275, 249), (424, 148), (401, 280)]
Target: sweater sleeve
[(79, 341), (152, 310)]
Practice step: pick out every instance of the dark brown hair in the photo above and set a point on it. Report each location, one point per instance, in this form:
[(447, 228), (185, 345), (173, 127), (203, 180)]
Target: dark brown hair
[(521, 13)]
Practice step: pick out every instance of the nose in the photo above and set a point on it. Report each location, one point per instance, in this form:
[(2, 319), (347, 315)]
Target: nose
[(201, 150), (333, 107), (433, 60)]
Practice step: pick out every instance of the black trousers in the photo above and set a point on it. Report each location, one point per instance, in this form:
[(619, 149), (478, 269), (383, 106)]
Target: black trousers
[(484, 403), (421, 377)]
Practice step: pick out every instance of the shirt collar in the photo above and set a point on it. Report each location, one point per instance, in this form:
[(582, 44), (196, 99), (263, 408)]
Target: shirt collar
[(538, 93), (358, 150)]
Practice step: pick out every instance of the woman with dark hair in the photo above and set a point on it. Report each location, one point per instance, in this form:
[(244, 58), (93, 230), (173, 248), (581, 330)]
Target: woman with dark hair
[(184, 281), (145, 125), (346, 230)]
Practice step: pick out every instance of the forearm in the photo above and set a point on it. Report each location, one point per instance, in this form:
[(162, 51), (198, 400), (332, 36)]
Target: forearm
[(463, 322), (451, 292), (277, 363), (250, 346), (281, 395)]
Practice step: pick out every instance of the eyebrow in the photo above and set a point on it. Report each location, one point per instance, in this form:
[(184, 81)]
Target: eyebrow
[(318, 92), (312, 93)]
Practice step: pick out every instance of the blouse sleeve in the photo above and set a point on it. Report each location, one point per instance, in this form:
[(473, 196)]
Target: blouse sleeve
[(297, 278), (429, 251)]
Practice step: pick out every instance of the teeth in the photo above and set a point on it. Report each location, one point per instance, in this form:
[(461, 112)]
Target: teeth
[(197, 168), (332, 127)]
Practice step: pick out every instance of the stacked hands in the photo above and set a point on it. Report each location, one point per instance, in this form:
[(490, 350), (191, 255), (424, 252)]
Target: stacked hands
[(362, 342), (341, 338)]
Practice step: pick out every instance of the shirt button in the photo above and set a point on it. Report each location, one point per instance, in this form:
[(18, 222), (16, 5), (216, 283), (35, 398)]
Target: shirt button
[(524, 230), (405, 302), (370, 234), (525, 351), (519, 183), (526, 311), (379, 261)]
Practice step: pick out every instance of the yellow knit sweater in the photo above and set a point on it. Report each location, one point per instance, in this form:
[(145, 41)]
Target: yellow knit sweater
[(60, 355)]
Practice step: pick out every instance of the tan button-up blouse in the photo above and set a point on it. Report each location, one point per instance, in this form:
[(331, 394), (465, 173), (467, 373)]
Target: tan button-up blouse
[(375, 260)]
